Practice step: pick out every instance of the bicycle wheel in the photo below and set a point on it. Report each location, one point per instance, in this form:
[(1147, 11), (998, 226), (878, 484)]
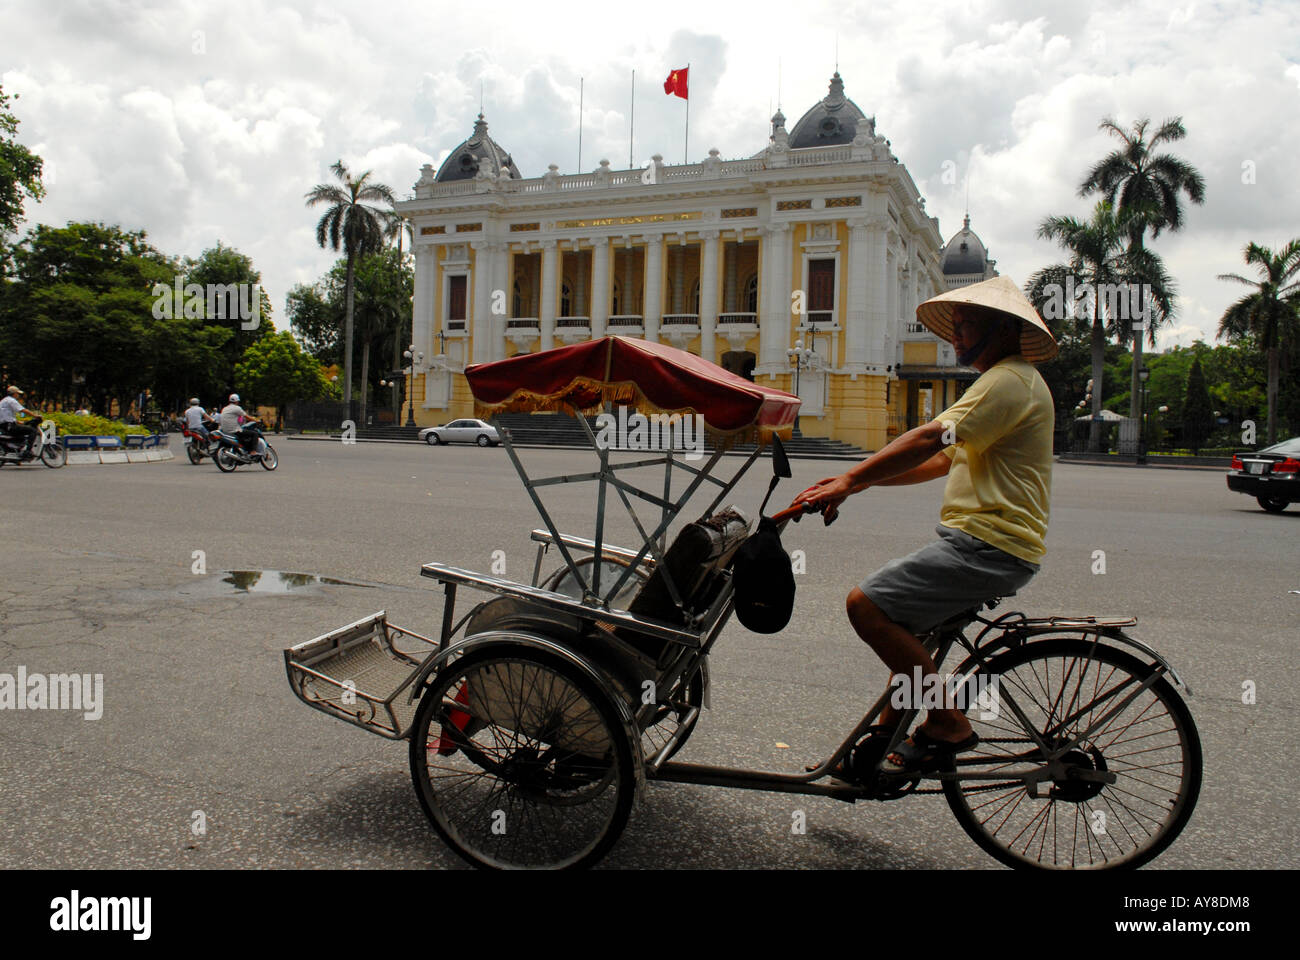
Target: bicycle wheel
[(54, 454), (1064, 685), (531, 766), (224, 460)]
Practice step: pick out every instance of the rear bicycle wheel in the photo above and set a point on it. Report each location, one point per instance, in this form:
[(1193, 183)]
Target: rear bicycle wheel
[(1064, 685), (542, 777), (225, 462)]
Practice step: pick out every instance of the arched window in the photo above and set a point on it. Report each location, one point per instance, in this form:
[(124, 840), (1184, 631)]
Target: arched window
[(751, 294)]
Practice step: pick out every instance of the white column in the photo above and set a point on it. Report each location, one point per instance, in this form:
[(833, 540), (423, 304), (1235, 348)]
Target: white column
[(877, 294), (422, 301), (481, 326), (503, 281), (855, 317), (629, 301), (600, 286), (709, 294), (653, 299), (546, 315), (774, 318), (729, 299)]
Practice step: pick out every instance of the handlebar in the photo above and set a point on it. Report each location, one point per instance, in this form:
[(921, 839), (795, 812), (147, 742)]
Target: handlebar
[(796, 512)]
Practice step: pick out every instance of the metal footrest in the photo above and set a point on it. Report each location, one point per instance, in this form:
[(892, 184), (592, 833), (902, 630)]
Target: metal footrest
[(362, 673)]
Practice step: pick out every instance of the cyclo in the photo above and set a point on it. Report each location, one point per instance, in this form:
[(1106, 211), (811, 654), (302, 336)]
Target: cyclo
[(537, 717)]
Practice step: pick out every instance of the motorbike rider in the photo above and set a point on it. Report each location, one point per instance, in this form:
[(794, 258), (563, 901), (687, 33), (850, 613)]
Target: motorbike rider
[(10, 409), (197, 419), (233, 421)]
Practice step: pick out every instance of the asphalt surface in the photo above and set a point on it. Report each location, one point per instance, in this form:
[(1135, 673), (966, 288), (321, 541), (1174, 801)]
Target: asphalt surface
[(96, 577)]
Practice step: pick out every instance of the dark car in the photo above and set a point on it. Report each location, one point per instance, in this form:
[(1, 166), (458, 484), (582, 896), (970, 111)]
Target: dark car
[(1271, 476)]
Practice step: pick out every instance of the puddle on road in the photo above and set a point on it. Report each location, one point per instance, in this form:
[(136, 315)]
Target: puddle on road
[(272, 582)]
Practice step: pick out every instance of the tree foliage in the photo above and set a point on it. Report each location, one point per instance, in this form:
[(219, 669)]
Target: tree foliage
[(20, 170), (275, 370)]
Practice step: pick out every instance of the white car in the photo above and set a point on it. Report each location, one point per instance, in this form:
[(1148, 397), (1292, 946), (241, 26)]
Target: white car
[(462, 431)]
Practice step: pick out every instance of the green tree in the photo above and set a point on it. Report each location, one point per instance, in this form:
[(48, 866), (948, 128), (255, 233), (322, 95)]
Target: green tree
[(276, 370), (1099, 259), (316, 320), (20, 170), (1268, 316), (1144, 180), (351, 222), (77, 322), (225, 267), (1198, 412)]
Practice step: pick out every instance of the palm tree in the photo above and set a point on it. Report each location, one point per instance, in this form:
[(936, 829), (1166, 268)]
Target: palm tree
[(402, 229), (360, 228), (1099, 256), (1269, 315), (1142, 179)]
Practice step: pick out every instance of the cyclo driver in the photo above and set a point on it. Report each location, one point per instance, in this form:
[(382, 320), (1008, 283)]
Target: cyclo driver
[(995, 447)]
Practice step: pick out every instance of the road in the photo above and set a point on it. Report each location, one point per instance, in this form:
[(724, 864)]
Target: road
[(97, 576)]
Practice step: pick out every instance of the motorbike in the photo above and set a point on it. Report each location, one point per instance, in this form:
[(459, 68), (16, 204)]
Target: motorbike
[(197, 446), (47, 447), (230, 453)]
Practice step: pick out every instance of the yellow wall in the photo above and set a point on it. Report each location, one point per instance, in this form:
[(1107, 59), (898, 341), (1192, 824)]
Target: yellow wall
[(921, 353)]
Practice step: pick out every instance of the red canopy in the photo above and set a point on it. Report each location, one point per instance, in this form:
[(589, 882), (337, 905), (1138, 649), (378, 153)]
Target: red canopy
[(652, 377)]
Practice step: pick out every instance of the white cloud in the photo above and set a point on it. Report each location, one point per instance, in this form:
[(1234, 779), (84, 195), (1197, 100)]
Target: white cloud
[(142, 130)]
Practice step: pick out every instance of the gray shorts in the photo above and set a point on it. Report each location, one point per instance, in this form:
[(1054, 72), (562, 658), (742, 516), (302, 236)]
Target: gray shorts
[(955, 573)]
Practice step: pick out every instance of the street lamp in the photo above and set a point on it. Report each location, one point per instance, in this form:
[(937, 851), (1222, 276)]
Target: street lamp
[(1143, 373), (801, 358), (413, 357)]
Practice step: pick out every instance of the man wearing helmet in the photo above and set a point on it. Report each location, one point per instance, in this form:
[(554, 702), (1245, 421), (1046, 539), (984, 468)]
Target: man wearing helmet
[(10, 408), (233, 418), (994, 445), (195, 416)]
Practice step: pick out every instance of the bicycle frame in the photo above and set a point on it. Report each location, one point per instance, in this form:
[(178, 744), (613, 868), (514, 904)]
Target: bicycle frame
[(939, 642)]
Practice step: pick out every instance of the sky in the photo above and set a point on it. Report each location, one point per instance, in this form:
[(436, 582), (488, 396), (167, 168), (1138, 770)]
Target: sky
[(200, 121)]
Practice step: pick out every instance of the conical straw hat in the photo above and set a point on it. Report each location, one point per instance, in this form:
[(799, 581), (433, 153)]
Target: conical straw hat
[(1002, 295)]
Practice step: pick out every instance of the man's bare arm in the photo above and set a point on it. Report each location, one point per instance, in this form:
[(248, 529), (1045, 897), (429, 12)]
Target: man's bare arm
[(937, 466), (899, 456)]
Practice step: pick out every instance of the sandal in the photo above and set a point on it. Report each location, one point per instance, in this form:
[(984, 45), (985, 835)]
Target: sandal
[(921, 753)]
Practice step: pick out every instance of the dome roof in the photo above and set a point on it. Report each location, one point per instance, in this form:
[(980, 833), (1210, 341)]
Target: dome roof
[(964, 253), (479, 152), (833, 120)]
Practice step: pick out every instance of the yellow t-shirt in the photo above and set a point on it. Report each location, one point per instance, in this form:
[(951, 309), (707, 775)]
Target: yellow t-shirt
[(1000, 483)]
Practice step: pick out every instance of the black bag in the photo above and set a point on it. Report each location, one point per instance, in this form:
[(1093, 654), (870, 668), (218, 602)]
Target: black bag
[(764, 581)]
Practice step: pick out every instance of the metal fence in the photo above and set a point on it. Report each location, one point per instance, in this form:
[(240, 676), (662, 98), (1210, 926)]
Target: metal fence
[(320, 415)]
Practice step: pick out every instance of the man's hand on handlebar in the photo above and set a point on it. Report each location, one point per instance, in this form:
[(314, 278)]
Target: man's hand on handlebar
[(825, 497)]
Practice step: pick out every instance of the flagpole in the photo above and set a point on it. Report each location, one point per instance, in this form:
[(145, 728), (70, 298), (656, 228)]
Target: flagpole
[(686, 143), (580, 124), (631, 127)]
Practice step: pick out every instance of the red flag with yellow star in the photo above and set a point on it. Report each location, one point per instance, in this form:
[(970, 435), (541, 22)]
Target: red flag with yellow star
[(676, 82)]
